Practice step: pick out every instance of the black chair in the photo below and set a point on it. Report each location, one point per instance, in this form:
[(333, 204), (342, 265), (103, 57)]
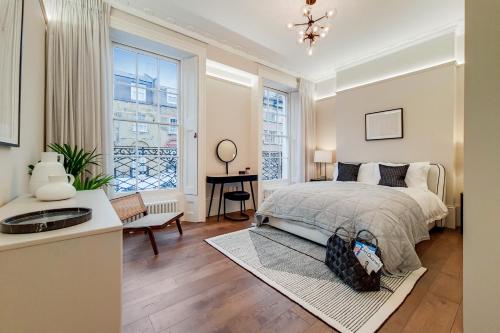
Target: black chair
[(240, 196)]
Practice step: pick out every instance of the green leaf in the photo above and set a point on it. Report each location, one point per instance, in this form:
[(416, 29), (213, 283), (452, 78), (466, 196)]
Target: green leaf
[(93, 183), (77, 162)]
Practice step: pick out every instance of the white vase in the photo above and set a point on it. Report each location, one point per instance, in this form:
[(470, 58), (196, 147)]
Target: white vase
[(50, 165), (58, 188)]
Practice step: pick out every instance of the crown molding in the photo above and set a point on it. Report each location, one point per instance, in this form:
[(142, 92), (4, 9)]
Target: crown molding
[(329, 73), (455, 27), (231, 74), (322, 98), (197, 36), (399, 75)]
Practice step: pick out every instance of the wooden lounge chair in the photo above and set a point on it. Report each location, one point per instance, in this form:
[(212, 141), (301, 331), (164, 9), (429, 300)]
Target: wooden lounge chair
[(132, 205)]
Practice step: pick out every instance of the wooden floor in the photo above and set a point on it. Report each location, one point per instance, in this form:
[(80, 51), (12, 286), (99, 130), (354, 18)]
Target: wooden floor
[(191, 287)]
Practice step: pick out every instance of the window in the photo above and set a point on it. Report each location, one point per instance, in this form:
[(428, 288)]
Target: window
[(137, 93), (146, 121), (275, 136), (139, 127)]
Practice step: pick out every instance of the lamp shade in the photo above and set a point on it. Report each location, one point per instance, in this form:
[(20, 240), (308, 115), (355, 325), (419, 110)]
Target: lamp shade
[(323, 156)]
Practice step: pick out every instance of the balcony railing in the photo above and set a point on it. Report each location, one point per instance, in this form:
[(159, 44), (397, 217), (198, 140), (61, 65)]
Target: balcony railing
[(272, 165), (144, 168)]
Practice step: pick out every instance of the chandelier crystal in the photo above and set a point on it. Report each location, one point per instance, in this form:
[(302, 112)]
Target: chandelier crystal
[(309, 32)]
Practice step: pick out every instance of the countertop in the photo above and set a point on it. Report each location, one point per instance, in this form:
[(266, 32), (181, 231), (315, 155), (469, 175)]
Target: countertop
[(104, 219)]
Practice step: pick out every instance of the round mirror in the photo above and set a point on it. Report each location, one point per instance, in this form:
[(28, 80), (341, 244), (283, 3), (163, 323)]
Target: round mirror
[(226, 150)]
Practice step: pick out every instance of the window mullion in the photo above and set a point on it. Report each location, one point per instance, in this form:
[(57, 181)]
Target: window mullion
[(143, 129), (136, 166)]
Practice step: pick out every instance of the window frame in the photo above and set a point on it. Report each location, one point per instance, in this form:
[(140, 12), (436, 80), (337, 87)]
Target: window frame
[(157, 90), (283, 138)]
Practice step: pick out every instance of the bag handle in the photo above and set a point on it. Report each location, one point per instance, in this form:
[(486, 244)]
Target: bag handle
[(368, 232), (348, 235)]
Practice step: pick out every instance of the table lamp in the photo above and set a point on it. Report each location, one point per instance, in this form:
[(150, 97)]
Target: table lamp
[(323, 156)]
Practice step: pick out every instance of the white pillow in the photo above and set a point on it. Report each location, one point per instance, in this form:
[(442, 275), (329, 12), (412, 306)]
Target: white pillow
[(416, 176), (369, 173)]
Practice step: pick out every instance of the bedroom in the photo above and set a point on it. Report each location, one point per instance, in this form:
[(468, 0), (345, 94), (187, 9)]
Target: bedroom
[(224, 145)]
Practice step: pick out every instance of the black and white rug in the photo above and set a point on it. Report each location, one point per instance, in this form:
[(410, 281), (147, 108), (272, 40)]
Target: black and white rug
[(295, 267)]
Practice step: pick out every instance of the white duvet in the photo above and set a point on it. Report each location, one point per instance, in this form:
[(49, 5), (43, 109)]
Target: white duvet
[(398, 217), (433, 208)]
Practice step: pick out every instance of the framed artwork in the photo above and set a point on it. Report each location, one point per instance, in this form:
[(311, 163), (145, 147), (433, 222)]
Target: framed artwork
[(384, 125), (11, 39)]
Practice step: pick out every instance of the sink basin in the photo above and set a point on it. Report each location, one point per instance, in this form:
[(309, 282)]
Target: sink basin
[(45, 220)]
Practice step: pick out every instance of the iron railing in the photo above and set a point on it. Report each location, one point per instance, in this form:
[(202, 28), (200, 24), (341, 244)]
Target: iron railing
[(272, 165), (144, 168)]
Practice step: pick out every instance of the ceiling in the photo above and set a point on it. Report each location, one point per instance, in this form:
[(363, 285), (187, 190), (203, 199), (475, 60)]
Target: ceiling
[(361, 28)]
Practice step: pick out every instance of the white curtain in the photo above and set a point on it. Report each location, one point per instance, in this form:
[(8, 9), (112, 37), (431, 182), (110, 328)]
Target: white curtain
[(303, 132), (78, 89)]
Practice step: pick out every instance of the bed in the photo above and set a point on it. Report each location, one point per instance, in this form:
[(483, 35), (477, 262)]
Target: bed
[(399, 217)]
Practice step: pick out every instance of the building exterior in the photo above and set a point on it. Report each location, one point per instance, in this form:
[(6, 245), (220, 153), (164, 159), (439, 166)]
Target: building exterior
[(145, 134)]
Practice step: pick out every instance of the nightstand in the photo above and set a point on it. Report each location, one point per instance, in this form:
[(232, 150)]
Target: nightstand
[(321, 180)]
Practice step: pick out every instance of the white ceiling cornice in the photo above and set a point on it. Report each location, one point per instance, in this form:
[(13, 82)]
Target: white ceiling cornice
[(454, 27), (292, 65), (199, 37)]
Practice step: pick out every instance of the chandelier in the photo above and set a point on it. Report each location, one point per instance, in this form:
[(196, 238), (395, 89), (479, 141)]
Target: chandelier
[(309, 32)]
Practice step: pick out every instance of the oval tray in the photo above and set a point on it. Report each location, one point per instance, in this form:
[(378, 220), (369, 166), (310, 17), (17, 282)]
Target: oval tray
[(45, 220)]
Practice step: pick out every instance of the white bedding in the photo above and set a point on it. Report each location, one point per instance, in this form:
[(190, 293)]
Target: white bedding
[(395, 218), (433, 208), (398, 217)]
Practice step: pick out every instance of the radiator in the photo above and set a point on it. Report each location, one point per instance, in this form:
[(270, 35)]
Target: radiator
[(158, 207)]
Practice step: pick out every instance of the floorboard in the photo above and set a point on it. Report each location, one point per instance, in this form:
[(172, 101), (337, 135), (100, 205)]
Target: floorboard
[(191, 287)]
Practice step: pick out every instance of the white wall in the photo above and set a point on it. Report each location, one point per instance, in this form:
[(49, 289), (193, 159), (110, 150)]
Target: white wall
[(325, 89), (228, 117), (14, 161), (459, 134), (427, 53), (482, 160), (326, 129), (430, 99)]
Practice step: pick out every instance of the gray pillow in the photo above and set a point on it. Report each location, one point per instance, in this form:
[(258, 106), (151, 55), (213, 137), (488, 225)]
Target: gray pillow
[(347, 172), (393, 176)]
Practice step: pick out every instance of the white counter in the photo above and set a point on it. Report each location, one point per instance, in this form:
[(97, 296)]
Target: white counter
[(103, 219), (66, 280)]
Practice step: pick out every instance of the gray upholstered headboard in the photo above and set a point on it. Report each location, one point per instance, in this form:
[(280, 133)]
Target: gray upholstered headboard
[(436, 180)]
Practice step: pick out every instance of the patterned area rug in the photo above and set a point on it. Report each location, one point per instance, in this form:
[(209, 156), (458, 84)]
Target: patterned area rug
[(295, 267)]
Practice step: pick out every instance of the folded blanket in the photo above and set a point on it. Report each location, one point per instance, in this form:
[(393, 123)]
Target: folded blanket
[(392, 216)]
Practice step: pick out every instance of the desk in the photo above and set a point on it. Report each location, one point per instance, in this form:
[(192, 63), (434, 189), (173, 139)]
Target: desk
[(225, 179)]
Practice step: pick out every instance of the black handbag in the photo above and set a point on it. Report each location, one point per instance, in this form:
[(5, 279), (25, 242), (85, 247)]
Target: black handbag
[(341, 259)]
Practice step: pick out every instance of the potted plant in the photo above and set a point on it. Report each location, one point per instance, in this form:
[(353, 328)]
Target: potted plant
[(78, 163)]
